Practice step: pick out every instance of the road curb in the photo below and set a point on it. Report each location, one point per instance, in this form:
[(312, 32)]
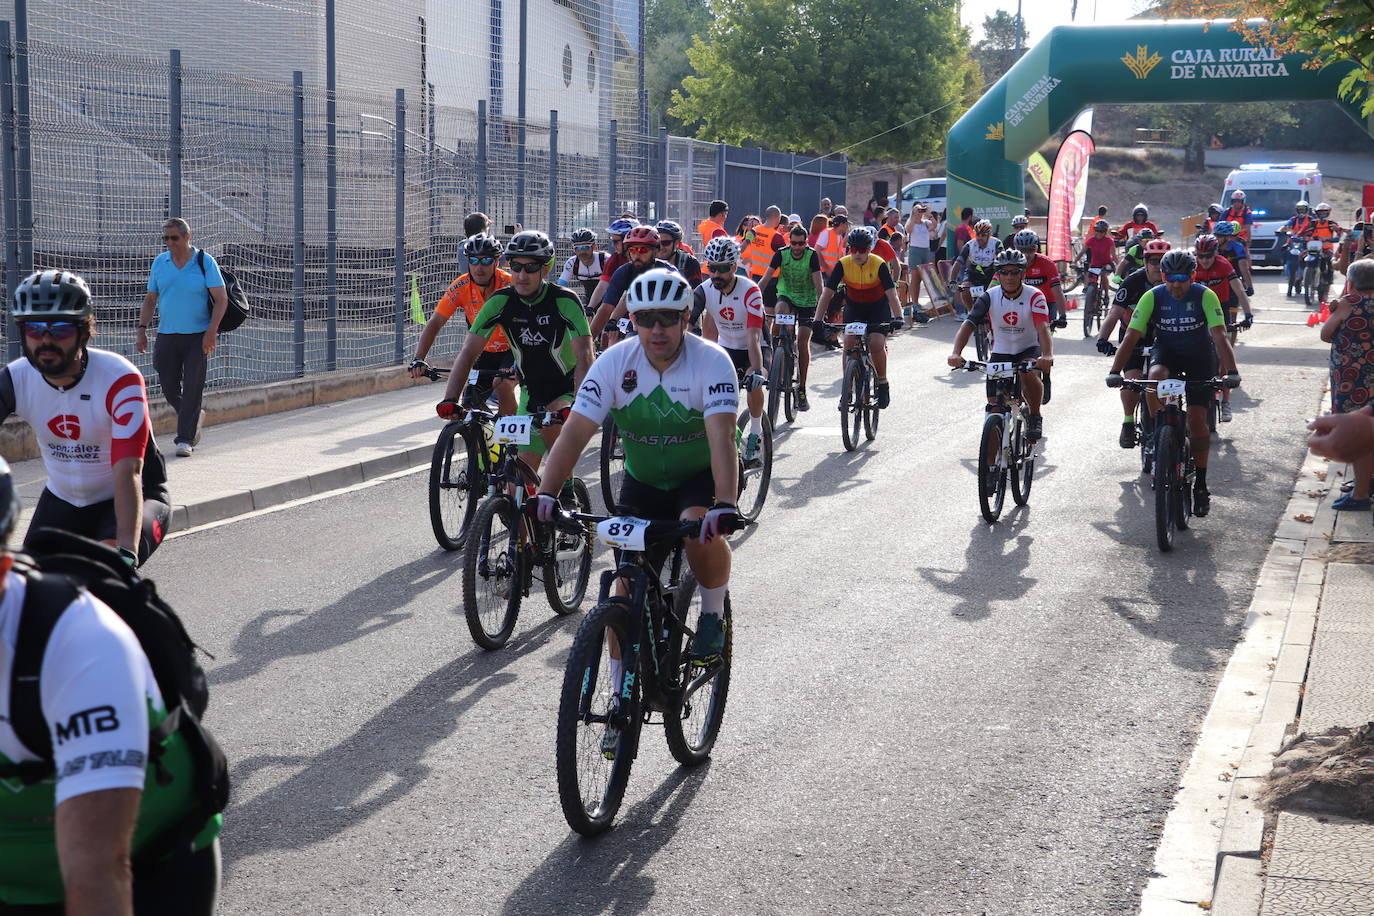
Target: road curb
[(243, 502)]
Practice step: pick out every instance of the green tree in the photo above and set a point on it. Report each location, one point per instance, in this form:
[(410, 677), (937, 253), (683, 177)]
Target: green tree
[(669, 29), (1237, 124), (1004, 38), (826, 74)]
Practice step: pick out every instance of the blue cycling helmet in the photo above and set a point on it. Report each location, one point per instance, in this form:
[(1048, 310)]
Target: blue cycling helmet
[(622, 227), (1224, 228)]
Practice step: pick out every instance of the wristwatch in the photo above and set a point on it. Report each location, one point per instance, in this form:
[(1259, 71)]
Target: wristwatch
[(143, 327)]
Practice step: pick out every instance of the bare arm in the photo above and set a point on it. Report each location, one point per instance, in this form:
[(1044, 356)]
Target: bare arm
[(894, 304), (219, 296), (428, 334), (462, 365), (94, 833), (816, 279), (145, 318), (708, 326), (1224, 351), (720, 435), (1123, 354), (756, 349), (582, 351), (128, 501), (1333, 324), (577, 431)]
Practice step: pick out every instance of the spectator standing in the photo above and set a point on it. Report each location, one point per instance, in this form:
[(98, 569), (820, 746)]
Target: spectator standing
[(827, 208), (938, 249), (963, 233), (918, 233), (891, 217), (182, 285), (1348, 330), (718, 213), (819, 223), (475, 223)]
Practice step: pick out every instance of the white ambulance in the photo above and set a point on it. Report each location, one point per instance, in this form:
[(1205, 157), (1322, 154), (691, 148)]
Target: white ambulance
[(1271, 189)]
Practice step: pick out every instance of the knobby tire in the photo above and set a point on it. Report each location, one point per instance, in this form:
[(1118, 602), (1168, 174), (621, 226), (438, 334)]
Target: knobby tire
[(691, 729)]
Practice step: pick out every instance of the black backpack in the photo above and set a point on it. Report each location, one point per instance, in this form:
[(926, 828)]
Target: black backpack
[(239, 310), (63, 563)]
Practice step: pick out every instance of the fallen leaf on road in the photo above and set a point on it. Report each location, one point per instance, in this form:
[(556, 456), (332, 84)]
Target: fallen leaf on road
[(1302, 518), (1321, 475), (1225, 777)]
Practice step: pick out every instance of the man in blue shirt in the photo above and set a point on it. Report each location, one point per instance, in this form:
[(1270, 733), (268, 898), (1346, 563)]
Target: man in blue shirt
[(183, 285)]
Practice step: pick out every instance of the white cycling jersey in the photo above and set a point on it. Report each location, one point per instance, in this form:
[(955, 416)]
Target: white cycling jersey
[(575, 270), (734, 313), (84, 430), (1013, 320), (96, 689)]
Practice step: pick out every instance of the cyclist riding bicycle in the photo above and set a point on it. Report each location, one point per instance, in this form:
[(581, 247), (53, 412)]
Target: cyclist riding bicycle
[(1043, 274), (1241, 215), (672, 250), (582, 271), (641, 247), (1189, 341), (796, 271), (88, 409), (673, 398), (1140, 220), (733, 308), (1099, 254), (617, 231), (1019, 316), (470, 292), (547, 330), (973, 265), (1133, 255), (1123, 306), (867, 282), (1019, 222), (1217, 274)]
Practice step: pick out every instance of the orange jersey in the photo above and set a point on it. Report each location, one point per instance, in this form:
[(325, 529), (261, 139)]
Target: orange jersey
[(463, 292)]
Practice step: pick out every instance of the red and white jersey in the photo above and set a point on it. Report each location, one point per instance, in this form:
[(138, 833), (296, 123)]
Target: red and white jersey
[(1013, 319), (84, 430), (734, 313), (1042, 273)]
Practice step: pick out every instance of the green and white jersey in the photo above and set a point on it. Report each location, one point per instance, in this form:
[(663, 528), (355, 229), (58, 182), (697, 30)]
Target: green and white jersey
[(541, 332), (661, 416)]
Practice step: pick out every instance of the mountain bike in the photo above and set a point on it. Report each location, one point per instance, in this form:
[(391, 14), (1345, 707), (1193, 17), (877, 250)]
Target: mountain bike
[(1004, 453), (600, 717), (1173, 468), (982, 337), (612, 463), (462, 458), (504, 547), (1096, 301), (858, 396), (782, 371)]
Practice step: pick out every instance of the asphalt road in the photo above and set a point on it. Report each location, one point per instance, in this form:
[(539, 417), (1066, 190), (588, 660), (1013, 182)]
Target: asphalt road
[(929, 714)]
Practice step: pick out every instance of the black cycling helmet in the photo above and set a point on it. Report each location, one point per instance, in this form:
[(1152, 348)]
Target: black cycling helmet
[(1009, 257), (1178, 261), (481, 245), (1101, 225), (1145, 235), (583, 236), (9, 503), (1026, 239), (859, 237), (530, 244), (52, 294), (670, 227)]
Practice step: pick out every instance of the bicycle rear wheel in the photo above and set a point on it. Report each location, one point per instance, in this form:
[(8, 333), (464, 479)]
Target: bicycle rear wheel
[(453, 485), (590, 786), (755, 475), (1166, 487), (691, 728), (567, 571), (851, 404), (992, 478), (1023, 465), (492, 574), (612, 463)]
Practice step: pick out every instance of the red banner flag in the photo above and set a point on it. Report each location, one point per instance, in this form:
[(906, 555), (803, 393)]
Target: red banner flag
[(1068, 193)]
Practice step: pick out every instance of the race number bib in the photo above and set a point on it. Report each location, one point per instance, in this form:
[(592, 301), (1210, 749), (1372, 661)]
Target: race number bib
[(626, 325), (623, 532), (1095, 271), (1171, 388), (513, 430), (856, 327), (976, 291), (784, 319), (473, 376), (999, 370)]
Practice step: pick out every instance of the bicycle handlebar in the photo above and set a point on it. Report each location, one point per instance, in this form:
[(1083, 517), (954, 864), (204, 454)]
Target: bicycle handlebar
[(658, 531), (977, 365), (1146, 384)]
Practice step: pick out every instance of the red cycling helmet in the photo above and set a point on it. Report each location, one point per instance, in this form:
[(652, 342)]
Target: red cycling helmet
[(1157, 246), (1206, 244), (646, 236)]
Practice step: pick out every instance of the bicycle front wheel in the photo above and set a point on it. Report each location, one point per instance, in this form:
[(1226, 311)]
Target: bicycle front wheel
[(569, 565), (992, 477), (870, 408), (492, 573), (1089, 310), (1309, 287), (453, 483), (777, 380), (851, 404), (598, 722), (612, 463), (756, 474), (692, 726), (1167, 483), (789, 388), (1023, 466)]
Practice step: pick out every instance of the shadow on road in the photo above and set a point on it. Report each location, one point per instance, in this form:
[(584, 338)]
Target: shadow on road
[(835, 473), (385, 439), (605, 875), (995, 563)]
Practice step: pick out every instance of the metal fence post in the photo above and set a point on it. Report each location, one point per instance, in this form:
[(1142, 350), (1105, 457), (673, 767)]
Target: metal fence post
[(174, 133), (482, 155), (720, 171), (612, 139), (22, 135), (331, 193), (663, 173), (553, 176), (298, 221), (520, 118), (400, 224), (10, 182)]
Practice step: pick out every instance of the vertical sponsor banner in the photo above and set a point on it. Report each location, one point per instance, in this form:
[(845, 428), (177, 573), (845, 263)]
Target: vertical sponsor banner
[(1068, 193), (1040, 172)]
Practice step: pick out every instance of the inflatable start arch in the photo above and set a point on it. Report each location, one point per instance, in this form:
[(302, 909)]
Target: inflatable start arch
[(1080, 65)]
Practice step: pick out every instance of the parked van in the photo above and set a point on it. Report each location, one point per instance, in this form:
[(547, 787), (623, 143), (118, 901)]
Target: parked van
[(1271, 190), (929, 191)]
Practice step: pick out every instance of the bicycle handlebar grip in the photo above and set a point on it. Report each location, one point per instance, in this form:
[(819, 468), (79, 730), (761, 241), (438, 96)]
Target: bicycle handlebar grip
[(1114, 380)]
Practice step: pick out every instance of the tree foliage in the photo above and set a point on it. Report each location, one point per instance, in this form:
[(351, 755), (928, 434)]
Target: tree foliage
[(669, 28), (1004, 39), (824, 74), (1238, 124), (1329, 30)]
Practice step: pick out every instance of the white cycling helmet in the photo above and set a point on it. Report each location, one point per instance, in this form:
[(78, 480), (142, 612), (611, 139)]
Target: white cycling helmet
[(721, 250), (659, 288)]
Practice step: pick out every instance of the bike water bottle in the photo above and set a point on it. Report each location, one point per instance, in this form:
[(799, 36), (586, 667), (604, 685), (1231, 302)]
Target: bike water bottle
[(493, 450)]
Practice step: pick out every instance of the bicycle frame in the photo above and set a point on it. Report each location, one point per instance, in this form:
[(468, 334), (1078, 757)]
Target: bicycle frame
[(1008, 397)]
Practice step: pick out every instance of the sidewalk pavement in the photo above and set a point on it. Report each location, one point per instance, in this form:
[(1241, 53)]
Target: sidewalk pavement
[(247, 465), (1298, 863)]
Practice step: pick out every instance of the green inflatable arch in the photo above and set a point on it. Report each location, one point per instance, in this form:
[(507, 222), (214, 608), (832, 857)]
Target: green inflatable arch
[(1076, 66)]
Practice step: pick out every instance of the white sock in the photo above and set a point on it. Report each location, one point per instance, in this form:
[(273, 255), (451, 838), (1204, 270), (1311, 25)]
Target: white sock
[(756, 425), (713, 599), (617, 674)]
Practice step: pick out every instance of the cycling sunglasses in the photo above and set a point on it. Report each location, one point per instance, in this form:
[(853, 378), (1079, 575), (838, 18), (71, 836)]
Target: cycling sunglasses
[(633, 248), (657, 318), (57, 330), (483, 261), (1178, 278), (582, 247), (727, 267), (524, 267), (1011, 270)]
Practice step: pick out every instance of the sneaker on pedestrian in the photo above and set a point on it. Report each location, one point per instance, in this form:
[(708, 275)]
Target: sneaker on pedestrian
[(1035, 427), (920, 318), (185, 449), (1202, 500), (709, 641), (1225, 412), (802, 403), (1350, 502), (1127, 437), (200, 427), (751, 447), (884, 395), (1061, 323)]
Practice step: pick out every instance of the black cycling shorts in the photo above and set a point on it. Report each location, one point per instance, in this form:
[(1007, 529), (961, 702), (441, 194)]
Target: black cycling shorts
[(97, 521), (1032, 352), (804, 312), (740, 358), (1196, 365), (873, 313), (644, 501)]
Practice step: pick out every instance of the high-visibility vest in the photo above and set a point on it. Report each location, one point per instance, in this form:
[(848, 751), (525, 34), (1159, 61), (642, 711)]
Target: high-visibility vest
[(830, 247), (1323, 229), (705, 228), (758, 254)]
